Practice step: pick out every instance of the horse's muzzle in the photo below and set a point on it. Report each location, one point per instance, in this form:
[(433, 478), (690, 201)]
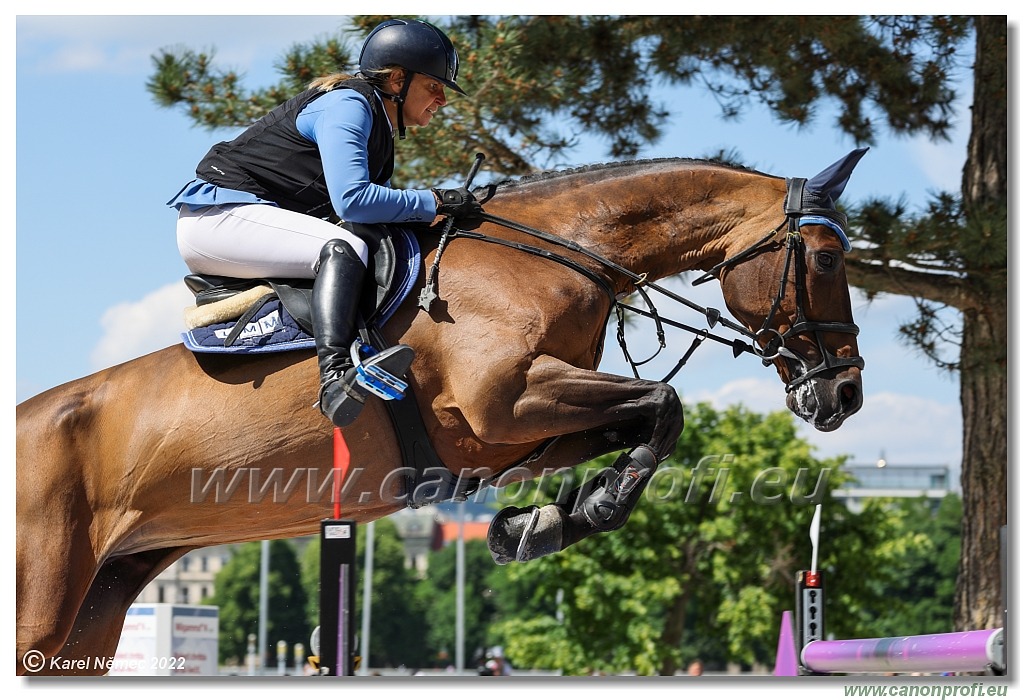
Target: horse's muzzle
[(826, 402)]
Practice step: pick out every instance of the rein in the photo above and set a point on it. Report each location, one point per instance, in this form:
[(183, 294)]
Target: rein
[(774, 347), (713, 316)]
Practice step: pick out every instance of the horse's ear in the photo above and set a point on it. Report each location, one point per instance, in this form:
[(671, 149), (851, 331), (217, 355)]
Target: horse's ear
[(825, 187)]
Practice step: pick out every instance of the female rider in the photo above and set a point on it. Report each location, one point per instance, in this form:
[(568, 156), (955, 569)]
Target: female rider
[(263, 204)]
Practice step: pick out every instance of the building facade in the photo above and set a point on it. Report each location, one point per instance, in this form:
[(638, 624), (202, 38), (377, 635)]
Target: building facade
[(190, 579), (882, 480)]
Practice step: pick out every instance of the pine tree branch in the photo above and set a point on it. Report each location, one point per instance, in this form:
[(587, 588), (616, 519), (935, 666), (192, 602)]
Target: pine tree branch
[(875, 277)]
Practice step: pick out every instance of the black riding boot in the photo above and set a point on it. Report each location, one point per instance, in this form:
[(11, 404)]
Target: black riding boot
[(335, 306)]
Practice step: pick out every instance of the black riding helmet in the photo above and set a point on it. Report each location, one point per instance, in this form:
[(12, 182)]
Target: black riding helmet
[(416, 46)]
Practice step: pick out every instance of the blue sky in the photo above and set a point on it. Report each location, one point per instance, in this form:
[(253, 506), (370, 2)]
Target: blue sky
[(99, 275)]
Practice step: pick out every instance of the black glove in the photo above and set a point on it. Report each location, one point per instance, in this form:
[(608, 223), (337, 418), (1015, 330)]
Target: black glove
[(462, 205)]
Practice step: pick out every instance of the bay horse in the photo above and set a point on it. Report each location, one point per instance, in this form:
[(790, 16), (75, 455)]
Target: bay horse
[(505, 374)]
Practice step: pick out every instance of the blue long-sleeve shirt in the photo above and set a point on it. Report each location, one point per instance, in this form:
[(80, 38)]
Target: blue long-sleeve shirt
[(339, 123)]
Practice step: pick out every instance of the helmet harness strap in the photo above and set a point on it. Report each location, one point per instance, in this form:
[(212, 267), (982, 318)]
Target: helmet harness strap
[(399, 99)]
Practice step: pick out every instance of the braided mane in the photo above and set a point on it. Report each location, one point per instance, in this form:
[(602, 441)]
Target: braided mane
[(532, 178)]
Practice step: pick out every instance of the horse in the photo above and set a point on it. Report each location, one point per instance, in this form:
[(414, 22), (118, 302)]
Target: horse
[(505, 376)]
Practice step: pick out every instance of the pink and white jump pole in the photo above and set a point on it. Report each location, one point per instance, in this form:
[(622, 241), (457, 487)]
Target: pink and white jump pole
[(951, 652), (804, 650)]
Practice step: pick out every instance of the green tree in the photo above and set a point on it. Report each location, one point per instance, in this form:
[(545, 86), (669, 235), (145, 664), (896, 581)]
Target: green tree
[(237, 594), (533, 76), (396, 620), (309, 573), (925, 591), (711, 553), (483, 583)]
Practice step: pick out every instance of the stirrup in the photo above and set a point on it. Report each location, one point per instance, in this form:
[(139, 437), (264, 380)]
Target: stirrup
[(377, 373)]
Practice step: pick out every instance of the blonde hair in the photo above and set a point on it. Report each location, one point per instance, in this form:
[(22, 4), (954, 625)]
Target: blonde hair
[(329, 82), (377, 77)]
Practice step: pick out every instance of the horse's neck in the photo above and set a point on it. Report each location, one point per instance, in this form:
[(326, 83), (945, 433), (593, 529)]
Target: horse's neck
[(665, 221)]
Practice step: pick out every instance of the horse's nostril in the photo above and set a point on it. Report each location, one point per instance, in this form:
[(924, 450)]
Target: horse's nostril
[(849, 397)]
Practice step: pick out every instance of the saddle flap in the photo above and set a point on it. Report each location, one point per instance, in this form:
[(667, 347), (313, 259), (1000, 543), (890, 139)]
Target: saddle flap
[(382, 252)]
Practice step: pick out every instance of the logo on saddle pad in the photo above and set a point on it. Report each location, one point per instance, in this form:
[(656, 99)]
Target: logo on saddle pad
[(271, 323)]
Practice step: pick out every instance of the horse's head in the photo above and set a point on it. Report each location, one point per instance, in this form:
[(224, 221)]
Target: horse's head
[(790, 290)]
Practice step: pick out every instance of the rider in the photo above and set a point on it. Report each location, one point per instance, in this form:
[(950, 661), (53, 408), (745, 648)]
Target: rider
[(265, 205)]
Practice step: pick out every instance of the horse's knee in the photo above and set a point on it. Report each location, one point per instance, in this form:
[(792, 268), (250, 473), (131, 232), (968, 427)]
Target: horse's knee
[(46, 646), (666, 419), (45, 616), (670, 408)]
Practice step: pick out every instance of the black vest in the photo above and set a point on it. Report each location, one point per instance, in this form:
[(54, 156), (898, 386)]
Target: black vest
[(273, 161)]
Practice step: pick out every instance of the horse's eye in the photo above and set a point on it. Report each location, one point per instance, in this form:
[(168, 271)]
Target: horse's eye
[(826, 261)]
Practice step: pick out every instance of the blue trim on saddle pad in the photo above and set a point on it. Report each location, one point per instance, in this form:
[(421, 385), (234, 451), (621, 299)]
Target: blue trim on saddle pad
[(272, 328)]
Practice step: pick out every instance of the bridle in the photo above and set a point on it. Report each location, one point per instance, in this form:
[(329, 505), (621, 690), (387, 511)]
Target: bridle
[(775, 345), (776, 342)]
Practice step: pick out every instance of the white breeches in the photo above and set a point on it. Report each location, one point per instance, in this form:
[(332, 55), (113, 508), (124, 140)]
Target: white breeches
[(256, 240)]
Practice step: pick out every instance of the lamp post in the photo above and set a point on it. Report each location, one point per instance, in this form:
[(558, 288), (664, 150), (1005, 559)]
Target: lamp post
[(460, 591), (364, 636), (264, 603)]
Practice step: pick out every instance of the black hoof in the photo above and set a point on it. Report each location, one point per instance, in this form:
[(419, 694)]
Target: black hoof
[(522, 534), (506, 531)]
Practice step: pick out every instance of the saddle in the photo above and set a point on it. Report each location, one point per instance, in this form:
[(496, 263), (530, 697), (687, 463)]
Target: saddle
[(273, 315), (231, 314)]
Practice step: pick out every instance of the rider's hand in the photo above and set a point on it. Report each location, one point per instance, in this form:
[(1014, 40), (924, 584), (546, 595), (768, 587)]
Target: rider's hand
[(461, 204)]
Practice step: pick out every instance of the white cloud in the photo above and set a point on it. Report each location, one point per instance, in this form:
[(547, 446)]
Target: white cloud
[(74, 59), (941, 163), (909, 430), (136, 328), (761, 395)]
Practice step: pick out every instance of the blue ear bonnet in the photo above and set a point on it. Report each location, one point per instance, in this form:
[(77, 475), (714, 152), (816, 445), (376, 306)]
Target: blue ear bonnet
[(813, 201), (805, 220)]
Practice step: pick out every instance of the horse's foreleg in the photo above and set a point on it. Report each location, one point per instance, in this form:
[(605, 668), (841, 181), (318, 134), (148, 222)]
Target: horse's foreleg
[(593, 413), (97, 629), (54, 569), (56, 559), (607, 412), (88, 628)]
